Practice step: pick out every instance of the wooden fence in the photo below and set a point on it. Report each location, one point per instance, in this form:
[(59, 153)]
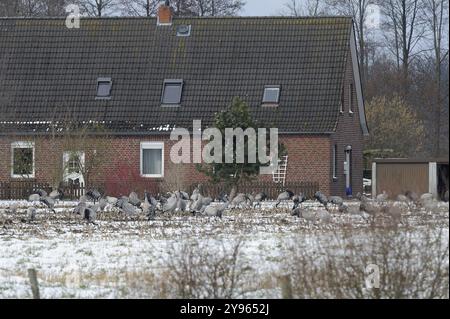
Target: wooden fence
[(23, 189)]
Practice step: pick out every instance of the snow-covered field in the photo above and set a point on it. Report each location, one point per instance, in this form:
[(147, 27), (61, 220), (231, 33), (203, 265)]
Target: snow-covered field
[(130, 257)]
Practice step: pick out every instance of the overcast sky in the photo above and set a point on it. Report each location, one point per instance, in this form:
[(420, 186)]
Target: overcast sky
[(263, 7)]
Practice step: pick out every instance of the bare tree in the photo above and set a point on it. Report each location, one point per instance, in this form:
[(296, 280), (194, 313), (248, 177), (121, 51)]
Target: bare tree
[(55, 8), (203, 8), (358, 10), (436, 18), (405, 30), (299, 8), (142, 8), (97, 8), (33, 8), (9, 8)]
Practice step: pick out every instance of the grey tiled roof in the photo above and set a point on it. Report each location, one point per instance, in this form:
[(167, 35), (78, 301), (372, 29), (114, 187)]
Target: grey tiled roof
[(49, 72)]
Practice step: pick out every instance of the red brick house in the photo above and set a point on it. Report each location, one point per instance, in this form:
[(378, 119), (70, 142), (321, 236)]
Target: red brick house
[(137, 78)]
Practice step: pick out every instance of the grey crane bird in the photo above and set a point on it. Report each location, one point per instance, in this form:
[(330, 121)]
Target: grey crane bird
[(34, 198), (41, 192), (216, 210), (90, 214), (362, 197), (369, 208), (426, 196), (102, 204), (321, 198), (195, 193), (149, 207), (412, 196), (171, 204), (383, 197), (121, 201), (239, 200), (296, 211), (49, 202), (250, 200), (79, 209), (182, 204), (94, 195), (13, 208), (134, 200), (31, 214), (222, 197), (200, 204), (258, 198), (403, 198), (336, 200), (57, 194), (183, 195), (298, 200), (111, 200), (284, 196), (128, 209)]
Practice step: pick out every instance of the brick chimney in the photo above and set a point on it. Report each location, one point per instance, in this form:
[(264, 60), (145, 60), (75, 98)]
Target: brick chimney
[(165, 14)]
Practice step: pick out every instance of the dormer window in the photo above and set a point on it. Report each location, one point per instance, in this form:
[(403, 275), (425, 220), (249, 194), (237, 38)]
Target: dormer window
[(271, 94), (104, 86), (172, 90)]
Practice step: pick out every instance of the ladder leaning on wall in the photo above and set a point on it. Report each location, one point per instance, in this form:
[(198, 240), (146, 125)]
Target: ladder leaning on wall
[(279, 176)]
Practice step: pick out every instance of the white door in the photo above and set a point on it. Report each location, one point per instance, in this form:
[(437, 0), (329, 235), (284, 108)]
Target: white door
[(73, 166)]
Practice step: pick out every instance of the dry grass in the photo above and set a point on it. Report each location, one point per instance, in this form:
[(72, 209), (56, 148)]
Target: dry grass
[(206, 270), (411, 265)]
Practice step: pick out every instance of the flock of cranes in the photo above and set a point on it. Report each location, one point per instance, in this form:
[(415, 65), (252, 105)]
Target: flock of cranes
[(197, 204)]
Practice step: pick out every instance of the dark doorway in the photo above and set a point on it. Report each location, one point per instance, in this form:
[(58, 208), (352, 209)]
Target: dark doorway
[(442, 186)]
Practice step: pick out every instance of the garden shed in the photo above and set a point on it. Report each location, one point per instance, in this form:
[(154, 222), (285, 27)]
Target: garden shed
[(398, 175)]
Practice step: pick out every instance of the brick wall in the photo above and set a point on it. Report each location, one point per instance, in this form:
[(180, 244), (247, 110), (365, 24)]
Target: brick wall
[(348, 132), (309, 160)]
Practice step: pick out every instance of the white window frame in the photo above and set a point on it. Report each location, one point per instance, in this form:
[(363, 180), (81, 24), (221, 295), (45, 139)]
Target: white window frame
[(104, 80), (168, 82), (335, 161), (151, 145), (271, 88), (350, 98), (22, 144)]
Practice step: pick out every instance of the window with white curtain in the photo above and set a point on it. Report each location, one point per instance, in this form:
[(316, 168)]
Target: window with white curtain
[(152, 159)]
